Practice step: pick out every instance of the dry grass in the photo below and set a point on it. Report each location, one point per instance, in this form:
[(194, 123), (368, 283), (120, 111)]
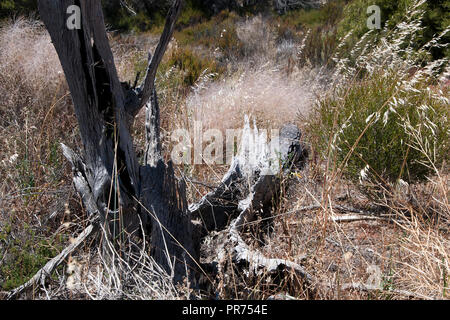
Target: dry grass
[(267, 94), (402, 255), (36, 196)]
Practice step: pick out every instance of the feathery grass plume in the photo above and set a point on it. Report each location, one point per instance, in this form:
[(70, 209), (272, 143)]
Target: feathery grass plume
[(382, 95), (265, 93)]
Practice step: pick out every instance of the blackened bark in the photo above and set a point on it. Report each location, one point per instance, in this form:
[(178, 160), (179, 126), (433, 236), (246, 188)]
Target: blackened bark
[(107, 175)]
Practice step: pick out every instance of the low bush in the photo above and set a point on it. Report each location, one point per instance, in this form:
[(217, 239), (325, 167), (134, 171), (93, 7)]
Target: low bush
[(375, 127), (436, 18), (190, 65), (316, 26), (23, 256), (218, 32), (387, 119), (10, 8)]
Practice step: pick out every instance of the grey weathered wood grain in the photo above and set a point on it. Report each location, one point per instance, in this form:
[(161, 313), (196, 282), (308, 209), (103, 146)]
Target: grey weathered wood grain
[(108, 177), (169, 28), (258, 199)]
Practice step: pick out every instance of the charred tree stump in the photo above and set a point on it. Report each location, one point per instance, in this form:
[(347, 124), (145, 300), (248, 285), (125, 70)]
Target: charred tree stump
[(108, 176), (247, 192)]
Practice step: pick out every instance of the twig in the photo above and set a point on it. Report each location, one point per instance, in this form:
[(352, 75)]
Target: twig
[(352, 218), (368, 288), (338, 207)]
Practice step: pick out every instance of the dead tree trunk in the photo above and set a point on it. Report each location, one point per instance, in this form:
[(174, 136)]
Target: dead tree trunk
[(115, 188), (108, 176)]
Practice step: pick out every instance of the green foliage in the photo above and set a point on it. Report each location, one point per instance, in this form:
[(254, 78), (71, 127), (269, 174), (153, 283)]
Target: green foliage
[(355, 15), (367, 116), (14, 7), (218, 32), (328, 14), (149, 15), (26, 176), (320, 46), (321, 25), (190, 15), (208, 31), (435, 20), (24, 255), (229, 43), (190, 65)]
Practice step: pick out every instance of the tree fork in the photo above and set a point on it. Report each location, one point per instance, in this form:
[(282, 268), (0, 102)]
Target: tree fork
[(108, 176)]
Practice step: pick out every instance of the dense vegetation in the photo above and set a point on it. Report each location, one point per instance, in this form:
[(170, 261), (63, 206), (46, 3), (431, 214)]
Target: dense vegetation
[(16, 7), (133, 15)]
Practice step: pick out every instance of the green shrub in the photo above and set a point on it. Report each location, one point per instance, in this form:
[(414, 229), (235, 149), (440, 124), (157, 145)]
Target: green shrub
[(219, 31), (320, 46), (328, 14), (436, 18), (229, 42), (136, 23), (378, 116), (190, 64), (24, 255), (322, 35), (191, 15), (149, 15), (15, 7)]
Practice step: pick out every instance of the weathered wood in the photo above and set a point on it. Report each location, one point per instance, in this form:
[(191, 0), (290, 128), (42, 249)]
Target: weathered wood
[(171, 231), (353, 218), (112, 184), (169, 28), (107, 176), (172, 240), (152, 132), (112, 171), (81, 181), (256, 198), (217, 208)]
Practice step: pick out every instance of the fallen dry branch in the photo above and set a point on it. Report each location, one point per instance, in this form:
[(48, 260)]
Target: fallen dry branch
[(241, 252), (260, 264), (371, 288), (41, 275), (353, 218), (339, 208)]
